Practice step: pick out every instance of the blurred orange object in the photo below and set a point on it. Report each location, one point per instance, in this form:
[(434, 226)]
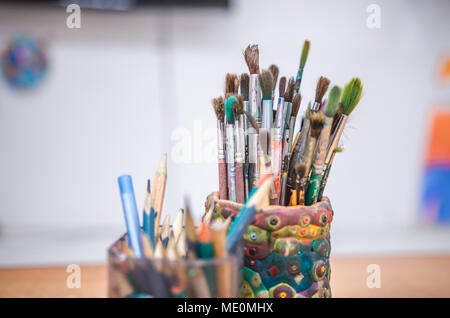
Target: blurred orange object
[(439, 139)]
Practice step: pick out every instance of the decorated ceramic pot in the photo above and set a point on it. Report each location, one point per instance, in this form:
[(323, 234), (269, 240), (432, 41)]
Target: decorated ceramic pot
[(286, 249)]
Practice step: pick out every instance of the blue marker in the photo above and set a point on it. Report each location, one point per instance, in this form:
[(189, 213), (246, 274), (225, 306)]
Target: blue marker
[(130, 213)]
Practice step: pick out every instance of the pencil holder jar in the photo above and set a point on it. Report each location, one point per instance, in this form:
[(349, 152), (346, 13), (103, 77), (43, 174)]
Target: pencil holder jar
[(286, 249), (133, 277)]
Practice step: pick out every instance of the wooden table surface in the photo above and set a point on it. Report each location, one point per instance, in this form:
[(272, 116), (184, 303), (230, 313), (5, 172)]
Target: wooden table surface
[(400, 277)]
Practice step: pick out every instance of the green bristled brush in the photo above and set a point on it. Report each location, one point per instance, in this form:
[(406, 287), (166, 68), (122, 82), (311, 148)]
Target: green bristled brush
[(349, 100), (317, 120), (330, 110), (303, 59)]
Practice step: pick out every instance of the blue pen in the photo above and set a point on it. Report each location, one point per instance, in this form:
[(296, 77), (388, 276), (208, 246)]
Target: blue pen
[(130, 213)]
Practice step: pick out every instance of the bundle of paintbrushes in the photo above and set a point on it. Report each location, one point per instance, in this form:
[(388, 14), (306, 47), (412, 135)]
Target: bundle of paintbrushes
[(170, 260), (258, 134)]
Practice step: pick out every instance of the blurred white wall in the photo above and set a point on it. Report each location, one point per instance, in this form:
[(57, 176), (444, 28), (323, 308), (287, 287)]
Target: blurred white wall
[(120, 86)]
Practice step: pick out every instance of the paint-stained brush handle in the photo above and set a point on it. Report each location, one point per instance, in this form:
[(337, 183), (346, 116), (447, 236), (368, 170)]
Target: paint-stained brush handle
[(223, 184), (240, 185)]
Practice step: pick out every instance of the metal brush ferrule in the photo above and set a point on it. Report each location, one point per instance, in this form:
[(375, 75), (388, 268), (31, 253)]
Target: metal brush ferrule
[(220, 140), (279, 118), (230, 143), (278, 134), (336, 137), (267, 114), (316, 106), (255, 98), (242, 136), (291, 131), (287, 112), (253, 148), (239, 154)]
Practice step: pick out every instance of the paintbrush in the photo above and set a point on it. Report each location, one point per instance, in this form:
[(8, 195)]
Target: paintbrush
[(275, 72), (330, 110), (321, 89), (159, 188), (253, 168), (230, 147), (244, 86), (231, 84), (255, 203), (149, 215), (238, 110), (251, 55), (266, 81), (317, 120), (295, 108), (219, 231), (288, 98), (277, 140), (266, 164), (165, 228), (177, 225), (288, 148), (219, 109), (349, 100), (130, 213), (300, 170), (301, 67)]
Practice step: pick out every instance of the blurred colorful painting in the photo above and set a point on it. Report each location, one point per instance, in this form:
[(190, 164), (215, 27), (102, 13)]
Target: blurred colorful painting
[(23, 62), (436, 195)]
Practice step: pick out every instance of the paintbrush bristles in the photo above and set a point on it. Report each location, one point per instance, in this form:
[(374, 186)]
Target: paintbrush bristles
[(229, 115), (266, 83), (304, 56), (245, 83), (251, 55), (322, 86), (231, 81), (332, 105), (300, 169), (219, 108), (296, 105), (351, 95), (289, 95), (238, 107), (275, 71), (282, 87), (317, 120)]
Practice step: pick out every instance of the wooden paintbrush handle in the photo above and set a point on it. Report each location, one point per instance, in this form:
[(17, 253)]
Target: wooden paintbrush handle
[(223, 187), (239, 183)]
